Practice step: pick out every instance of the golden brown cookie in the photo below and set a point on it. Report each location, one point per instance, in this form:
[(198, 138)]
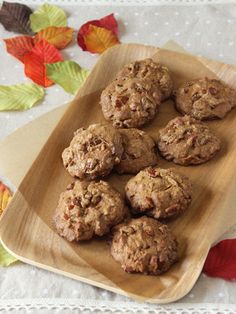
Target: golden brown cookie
[(187, 141), (139, 151), (88, 208), (130, 103), (159, 193), (158, 74), (205, 99), (144, 245), (93, 152)]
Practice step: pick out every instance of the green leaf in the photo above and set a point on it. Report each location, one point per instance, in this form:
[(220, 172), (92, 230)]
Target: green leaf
[(68, 74), (5, 258), (47, 15), (20, 96)]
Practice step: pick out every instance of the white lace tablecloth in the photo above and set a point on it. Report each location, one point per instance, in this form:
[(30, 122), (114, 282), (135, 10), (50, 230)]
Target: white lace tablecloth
[(209, 30)]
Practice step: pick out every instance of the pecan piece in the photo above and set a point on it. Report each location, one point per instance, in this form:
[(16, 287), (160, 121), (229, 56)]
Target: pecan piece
[(212, 90), (77, 201), (152, 172), (70, 186), (66, 217)]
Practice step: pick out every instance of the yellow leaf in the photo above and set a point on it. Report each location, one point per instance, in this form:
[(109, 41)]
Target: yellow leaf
[(98, 39), (60, 37), (5, 197)]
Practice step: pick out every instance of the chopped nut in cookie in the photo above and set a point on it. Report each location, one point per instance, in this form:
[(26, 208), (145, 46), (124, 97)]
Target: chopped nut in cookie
[(88, 209), (144, 245), (93, 152), (159, 193), (187, 141), (205, 99), (130, 103), (158, 74), (139, 151)]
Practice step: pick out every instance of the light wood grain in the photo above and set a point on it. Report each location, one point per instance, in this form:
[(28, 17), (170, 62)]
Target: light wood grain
[(26, 228), (20, 148)]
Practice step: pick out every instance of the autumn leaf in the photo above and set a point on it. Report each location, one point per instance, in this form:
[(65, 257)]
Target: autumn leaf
[(68, 74), (108, 22), (47, 15), (98, 39), (15, 17), (35, 61), (5, 196), (60, 37), (5, 258), (221, 259), (20, 96), (19, 46)]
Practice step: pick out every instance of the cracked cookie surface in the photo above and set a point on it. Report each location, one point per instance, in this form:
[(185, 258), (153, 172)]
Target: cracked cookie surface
[(88, 208), (158, 74), (159, 193), (130, 103), (144, 245), (187, 141), (205, 99), (93, 152), (139, 151)]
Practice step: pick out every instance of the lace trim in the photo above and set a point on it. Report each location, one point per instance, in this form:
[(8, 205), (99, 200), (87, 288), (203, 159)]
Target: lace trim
[(100, 306), (130, 2)]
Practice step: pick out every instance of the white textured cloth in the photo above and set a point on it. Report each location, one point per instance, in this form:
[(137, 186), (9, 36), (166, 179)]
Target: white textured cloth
[(209, 30)]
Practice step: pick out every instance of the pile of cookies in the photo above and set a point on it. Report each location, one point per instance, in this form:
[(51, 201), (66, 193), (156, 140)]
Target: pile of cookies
[(90, 207)]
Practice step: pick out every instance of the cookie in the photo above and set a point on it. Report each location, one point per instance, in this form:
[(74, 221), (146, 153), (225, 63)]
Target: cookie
[(158, 74), (159, 193), (187, 141), (88, 208), (144, 245), (93, 152), (130, 103), (205, 99), (139, 151)]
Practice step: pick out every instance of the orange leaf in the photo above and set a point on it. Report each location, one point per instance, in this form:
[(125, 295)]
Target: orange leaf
[(35, 61), (109, 22), (60, 37), (5, 197), (19, 46), (98, 39)]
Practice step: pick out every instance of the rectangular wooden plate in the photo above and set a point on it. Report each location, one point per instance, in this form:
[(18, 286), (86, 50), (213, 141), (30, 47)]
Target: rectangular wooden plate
[(26, 228)]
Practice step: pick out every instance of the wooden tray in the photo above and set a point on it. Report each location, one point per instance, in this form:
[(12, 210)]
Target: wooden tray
[(26, 227)]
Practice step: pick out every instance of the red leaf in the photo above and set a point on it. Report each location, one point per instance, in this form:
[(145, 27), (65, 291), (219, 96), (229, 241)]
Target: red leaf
[(108, 22), (35, 61), (19, 46), (221, 260)]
